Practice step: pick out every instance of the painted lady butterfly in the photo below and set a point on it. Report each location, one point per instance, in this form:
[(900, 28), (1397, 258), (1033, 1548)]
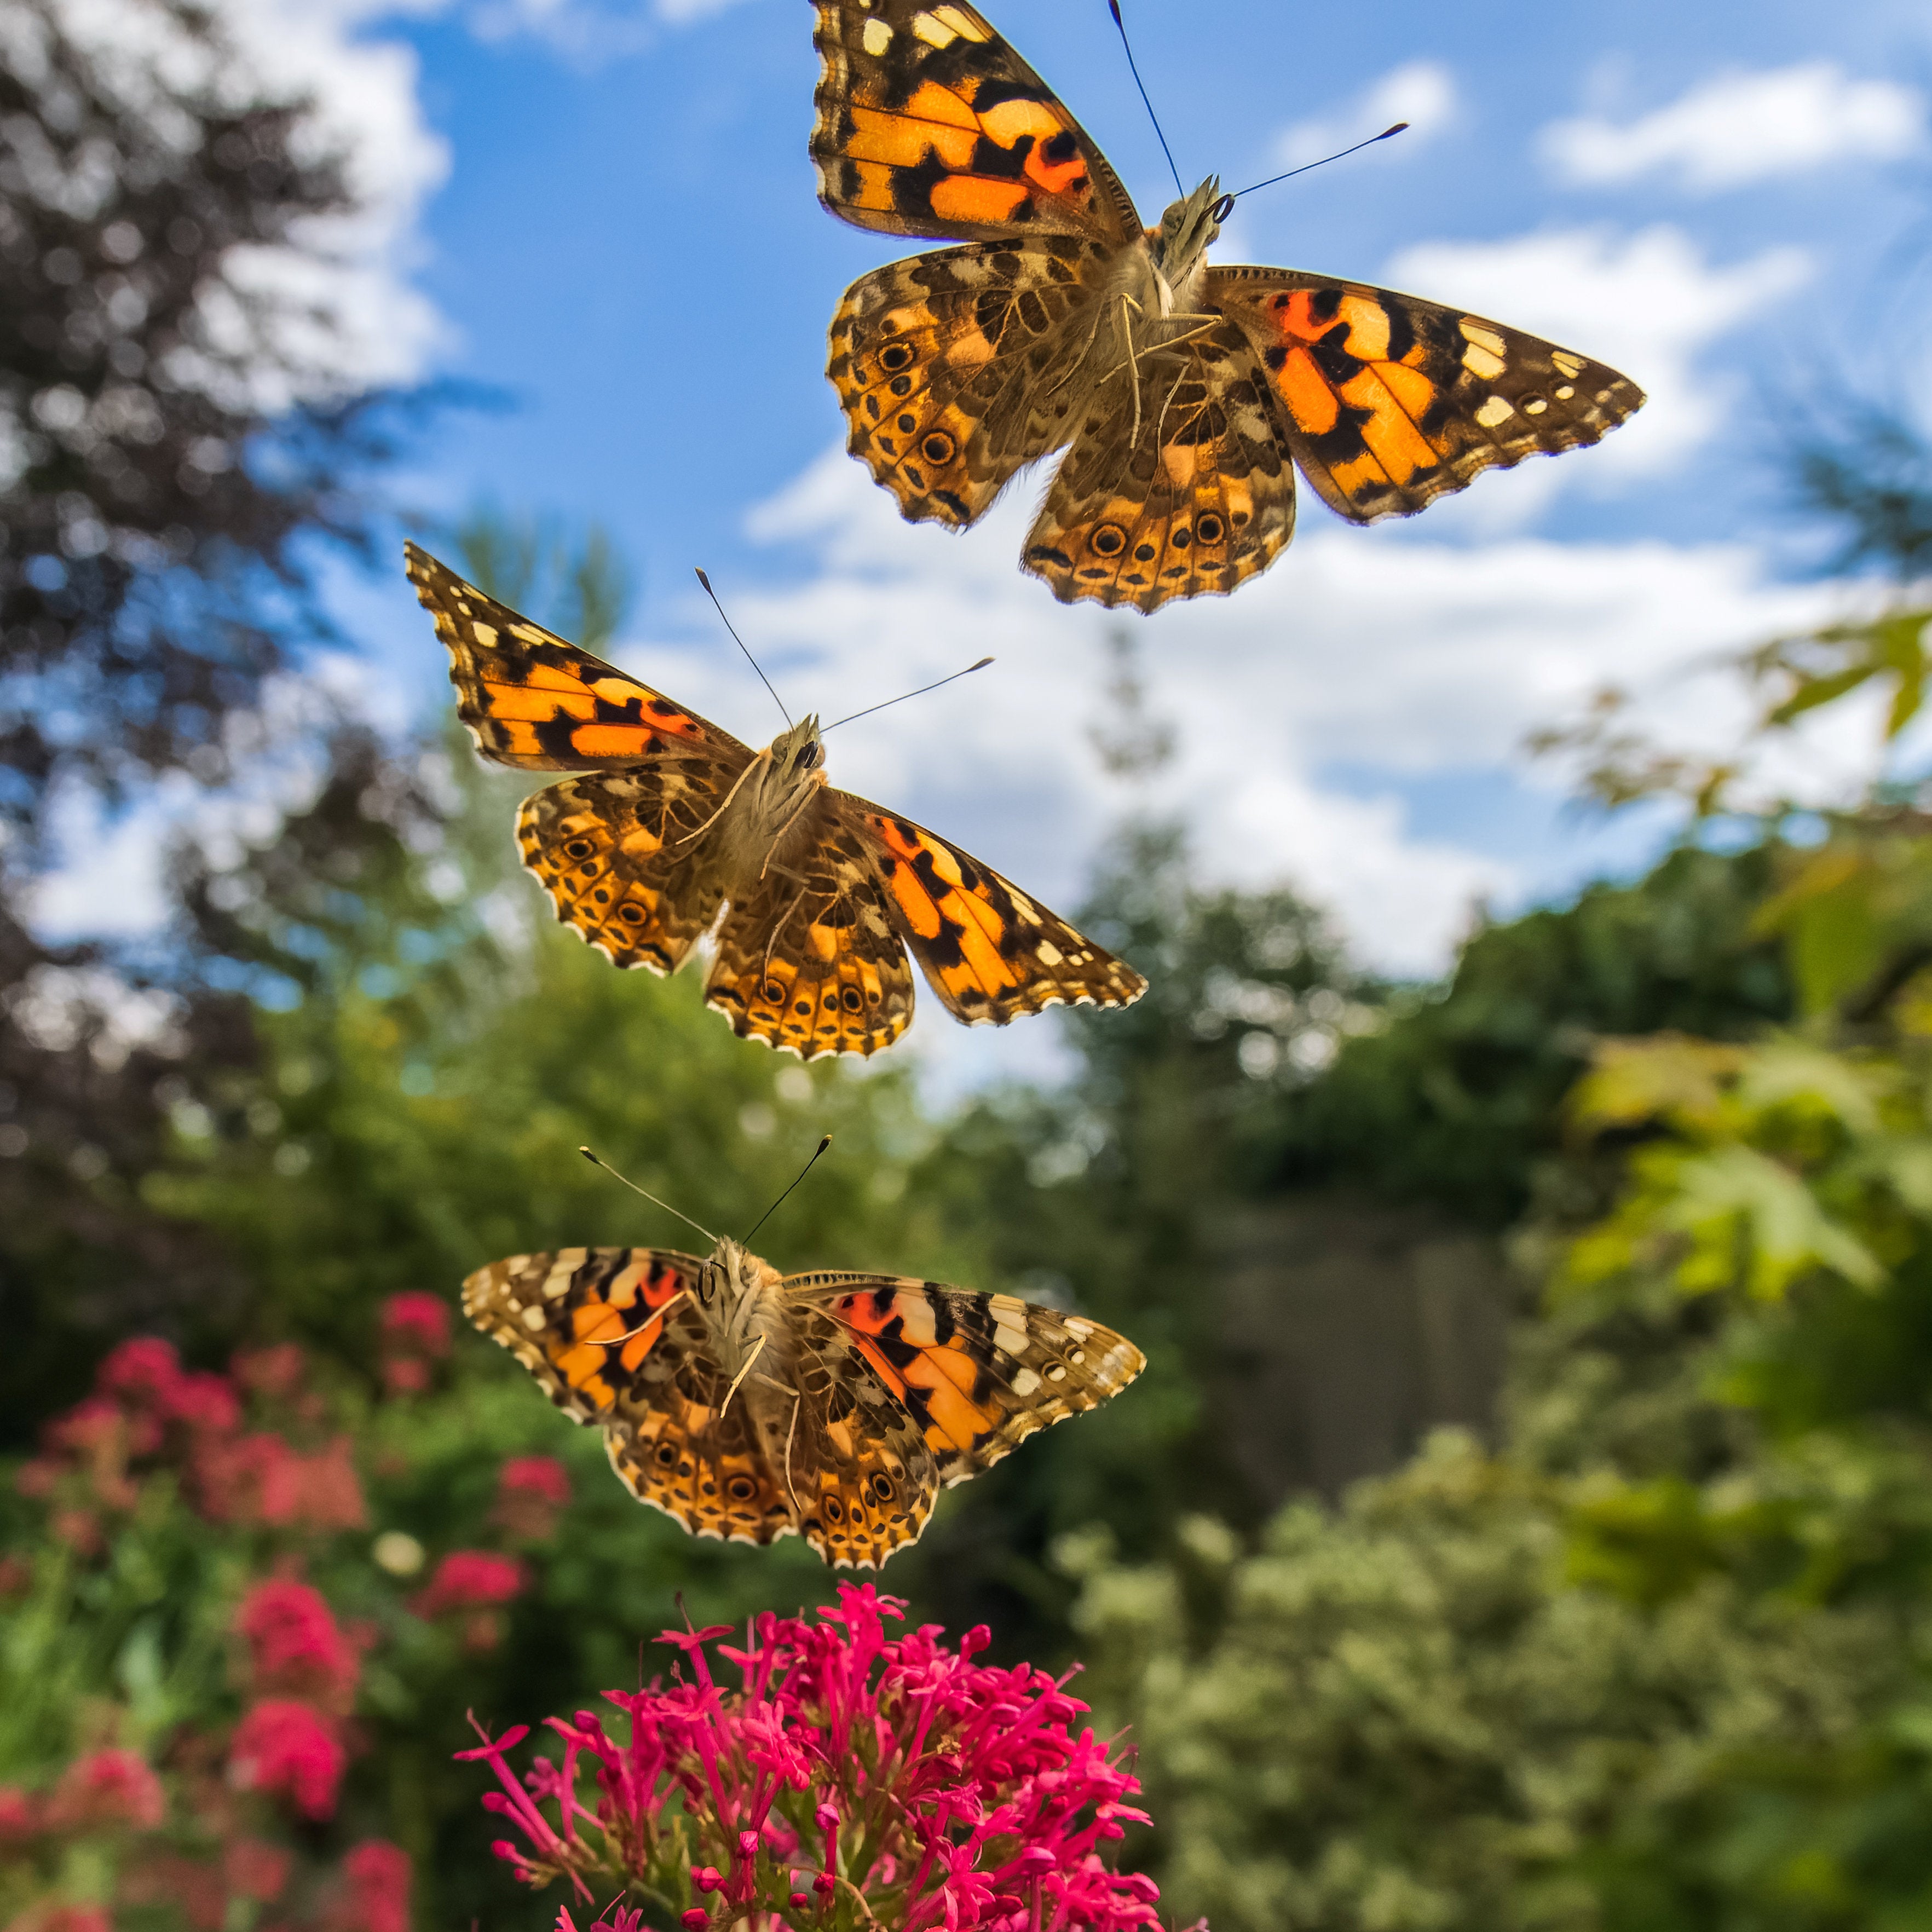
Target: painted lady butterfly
[(751, 1406), (1185, 395), (678, 829)]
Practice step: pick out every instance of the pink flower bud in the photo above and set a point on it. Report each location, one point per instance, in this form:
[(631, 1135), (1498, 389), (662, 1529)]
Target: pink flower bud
[(824, 1883), (706, 1878), (799, 1901), (748, 1846), (1036, 1861), (695, 1920), (826, 1817)]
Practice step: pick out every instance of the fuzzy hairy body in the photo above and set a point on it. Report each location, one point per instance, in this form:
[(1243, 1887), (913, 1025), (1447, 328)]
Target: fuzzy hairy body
[(749, 1405), (1186, 394), (813, 898)]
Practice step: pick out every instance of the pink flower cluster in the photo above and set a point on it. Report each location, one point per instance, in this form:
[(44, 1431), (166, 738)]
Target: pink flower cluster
[(848, 1777), (472, 1586), (414, 1337), (530, 1491), (145, 1409), (303, 1671)]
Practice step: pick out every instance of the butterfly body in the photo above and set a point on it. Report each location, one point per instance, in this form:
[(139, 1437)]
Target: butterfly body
[(674, 830), (1184, 393), (750, 1405)]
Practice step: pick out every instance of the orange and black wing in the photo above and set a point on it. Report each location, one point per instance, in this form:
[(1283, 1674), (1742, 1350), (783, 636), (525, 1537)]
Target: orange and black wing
[(1389, 402), (533, 701), (809, 961), (612, 1337), (929, 124), (978, 1374), (988, 951)]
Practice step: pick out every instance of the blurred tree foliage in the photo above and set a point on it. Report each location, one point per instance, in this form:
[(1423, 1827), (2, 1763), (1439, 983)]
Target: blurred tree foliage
[(1660, 1657)]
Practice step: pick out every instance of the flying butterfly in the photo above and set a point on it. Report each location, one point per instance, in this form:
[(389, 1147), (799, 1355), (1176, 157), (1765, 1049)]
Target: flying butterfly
[(1185, 395), (677, 830), (750, 1405)]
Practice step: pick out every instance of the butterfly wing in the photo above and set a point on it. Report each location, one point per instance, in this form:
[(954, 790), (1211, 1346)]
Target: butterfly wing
[(990, 952), (604, 1333), (929, 124), (533, 701), (955, 369), (610, 849), (1390, 402), (976, 1373), (809, 960), (850, 1458), (1179, 482)]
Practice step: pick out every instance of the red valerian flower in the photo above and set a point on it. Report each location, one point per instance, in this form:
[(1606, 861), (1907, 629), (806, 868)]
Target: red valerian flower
[(294, 1644), (471, 1585), (414, 1337), (107, 1787), (292, 1751), (374, 1893), (848, 1778), (530, 1490)]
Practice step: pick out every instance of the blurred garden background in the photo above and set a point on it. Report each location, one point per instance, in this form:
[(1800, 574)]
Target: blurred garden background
[(1525, 1519)]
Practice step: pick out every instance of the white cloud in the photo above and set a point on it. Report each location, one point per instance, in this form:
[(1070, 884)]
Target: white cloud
[(1646, 304), (333, 312), (1422, 92), (1370, 650), (1737, 128)]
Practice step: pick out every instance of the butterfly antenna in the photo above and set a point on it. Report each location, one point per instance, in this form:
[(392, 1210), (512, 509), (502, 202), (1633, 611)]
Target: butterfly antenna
[(904, 695), (595, 1161), (1386, 134), (740, 642), (1113, 8), (781, 1200)]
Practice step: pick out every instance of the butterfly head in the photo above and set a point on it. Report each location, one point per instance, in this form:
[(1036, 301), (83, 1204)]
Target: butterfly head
[(1186, 231), (799, 751), (731, 1274)]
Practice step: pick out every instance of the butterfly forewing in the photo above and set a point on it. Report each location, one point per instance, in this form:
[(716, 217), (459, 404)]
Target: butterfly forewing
[(977, 1373), (533, 701), (929, 124), (988, 951), (1390, 402)]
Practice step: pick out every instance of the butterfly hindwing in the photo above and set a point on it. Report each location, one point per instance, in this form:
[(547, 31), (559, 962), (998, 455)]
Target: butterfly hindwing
[(1178, 484), (1390, 402), (977, 1373), (611, 850), (988, 951), (531, 700), (809, 960), (929, 124), (948, 367)]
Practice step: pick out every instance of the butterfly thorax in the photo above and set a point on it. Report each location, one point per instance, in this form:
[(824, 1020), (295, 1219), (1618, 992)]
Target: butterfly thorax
[(1164, 271), (739, 1297), (765, 812)]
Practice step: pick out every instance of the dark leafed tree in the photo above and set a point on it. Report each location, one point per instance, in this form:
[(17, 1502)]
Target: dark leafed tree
[(162, 445), (176, 424)]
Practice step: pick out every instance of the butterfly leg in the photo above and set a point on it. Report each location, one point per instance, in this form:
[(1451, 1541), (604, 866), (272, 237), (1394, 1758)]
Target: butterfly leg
[(809, 798), (728, 797)]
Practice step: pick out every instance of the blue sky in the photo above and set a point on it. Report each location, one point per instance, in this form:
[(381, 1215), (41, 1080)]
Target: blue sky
[(609, 214)]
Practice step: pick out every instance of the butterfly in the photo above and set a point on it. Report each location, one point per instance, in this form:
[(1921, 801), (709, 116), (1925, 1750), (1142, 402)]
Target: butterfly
[(1186, 396), (749, 1405), (678, 830)]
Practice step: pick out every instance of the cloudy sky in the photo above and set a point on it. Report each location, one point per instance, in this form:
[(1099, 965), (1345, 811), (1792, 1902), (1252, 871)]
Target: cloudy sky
[(607, 211)]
